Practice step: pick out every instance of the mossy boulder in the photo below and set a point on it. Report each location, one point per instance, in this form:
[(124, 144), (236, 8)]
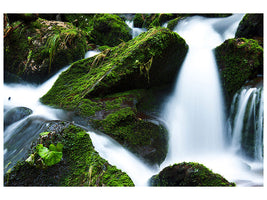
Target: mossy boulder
[(36, 50), (251, 26), (106, 89), (188, 174), (151, 59), (108, 29), (239, 60), (80, 165)]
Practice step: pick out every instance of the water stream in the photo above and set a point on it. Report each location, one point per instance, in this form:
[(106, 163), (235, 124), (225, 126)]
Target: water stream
[(194, 113)]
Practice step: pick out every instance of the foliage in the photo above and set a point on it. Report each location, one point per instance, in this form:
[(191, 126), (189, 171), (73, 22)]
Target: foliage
[(44, 157)]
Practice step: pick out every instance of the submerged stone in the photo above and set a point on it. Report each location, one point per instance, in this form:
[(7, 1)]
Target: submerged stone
[(16, 114), (188, 174)]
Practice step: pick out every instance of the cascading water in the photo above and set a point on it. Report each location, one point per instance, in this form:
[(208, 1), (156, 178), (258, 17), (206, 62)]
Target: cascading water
[(246, 130), (135, 31), (194, 114)]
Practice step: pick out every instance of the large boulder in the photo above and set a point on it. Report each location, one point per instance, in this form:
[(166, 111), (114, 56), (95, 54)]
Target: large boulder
[(239, 60), (251, 26), (188, 174), (108, 87), (80, 164), (37, 49)]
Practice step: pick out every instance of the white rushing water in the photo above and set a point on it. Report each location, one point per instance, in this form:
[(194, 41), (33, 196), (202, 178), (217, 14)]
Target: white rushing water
[(194, 114), (122, 159), (135, 31), (246, 107)]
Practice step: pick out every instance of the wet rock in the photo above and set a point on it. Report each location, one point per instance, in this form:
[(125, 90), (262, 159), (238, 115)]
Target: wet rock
[(188, 174), (17, 140), (239, 60), (16, 114), (251, 26)]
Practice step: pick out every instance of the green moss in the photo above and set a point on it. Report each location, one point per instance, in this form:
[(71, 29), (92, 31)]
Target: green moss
[(138, 20), (81, 165), (239, 60), (106, 88), (110, 71), (188, 174), (109, 30), (52, 44)]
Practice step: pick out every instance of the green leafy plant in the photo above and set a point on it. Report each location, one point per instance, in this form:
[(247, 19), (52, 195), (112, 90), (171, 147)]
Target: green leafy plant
[(48, 156)]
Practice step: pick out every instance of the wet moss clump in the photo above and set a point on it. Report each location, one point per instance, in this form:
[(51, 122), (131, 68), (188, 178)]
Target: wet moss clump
[(239, 60), (108, 29), (80, 165), (36, 50), (188, 174)]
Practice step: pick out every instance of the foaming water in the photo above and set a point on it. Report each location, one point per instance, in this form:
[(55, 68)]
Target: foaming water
[(116, 155)]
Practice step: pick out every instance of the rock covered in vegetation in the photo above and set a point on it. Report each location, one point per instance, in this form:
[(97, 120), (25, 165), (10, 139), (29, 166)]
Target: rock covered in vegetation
[(109, 30), (188, 174), (34, 51), (251, 26), (107, 87), (80, 165), (239, 60)]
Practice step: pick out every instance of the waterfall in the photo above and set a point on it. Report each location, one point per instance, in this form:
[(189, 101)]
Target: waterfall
[(195, 114), (246, 130), (135, 31)]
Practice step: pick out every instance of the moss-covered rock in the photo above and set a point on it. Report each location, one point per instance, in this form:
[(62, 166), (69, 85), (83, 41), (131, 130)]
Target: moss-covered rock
[(188, 174), (239, 60), (80, 165), (107, 87), (251, 26), (109, 30), (36, 50), (151, 59)]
